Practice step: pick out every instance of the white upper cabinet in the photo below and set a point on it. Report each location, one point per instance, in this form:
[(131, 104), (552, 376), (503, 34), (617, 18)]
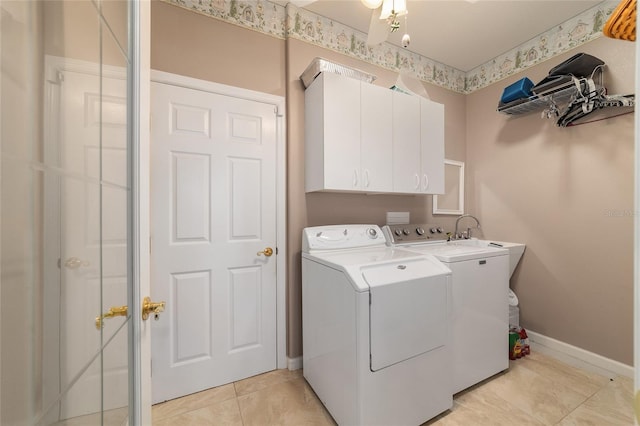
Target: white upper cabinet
[(366, 138), (407, 169), (332, 134), (418, 145), (432, 146), (376, 148)]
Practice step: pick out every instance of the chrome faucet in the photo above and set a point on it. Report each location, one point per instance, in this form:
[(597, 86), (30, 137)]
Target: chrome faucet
[(457, 235)]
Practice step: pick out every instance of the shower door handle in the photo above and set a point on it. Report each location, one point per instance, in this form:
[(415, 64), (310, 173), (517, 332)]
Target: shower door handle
[(75, 263), (114, 311)]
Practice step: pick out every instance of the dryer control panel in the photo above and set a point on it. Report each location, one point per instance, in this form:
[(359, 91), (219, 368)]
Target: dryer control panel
[(414, 233), (337, 237)]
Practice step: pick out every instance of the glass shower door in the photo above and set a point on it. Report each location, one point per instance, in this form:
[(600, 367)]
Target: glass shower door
[(65, 232)]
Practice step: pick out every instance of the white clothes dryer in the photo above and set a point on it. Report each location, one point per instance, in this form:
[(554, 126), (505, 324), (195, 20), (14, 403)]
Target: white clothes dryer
[(376, 327)]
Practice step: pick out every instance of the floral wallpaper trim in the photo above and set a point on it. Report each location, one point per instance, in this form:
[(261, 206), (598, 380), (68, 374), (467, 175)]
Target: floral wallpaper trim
[(260, 15), (570, 34), (278, 21)]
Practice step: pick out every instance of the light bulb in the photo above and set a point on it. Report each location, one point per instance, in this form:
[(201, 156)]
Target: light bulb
[(406, 40), (372, 4)]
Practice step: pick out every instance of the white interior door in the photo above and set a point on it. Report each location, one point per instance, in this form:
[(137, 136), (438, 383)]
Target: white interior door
[(213, 190)]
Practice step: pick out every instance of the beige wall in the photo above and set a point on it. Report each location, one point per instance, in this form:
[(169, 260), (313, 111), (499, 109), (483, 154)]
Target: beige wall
[(552, 188), (72, 30), (194, 45), (527, 180)]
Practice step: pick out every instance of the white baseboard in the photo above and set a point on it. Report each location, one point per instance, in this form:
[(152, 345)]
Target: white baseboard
[(294, 363), (578, 357)]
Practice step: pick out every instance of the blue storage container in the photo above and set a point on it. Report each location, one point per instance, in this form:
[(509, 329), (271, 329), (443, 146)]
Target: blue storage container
[(518, 90)]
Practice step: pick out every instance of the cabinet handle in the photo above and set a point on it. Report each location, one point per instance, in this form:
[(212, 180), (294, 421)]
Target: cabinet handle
[(425, 180), (417, 182), (355, 178), (366, 178)]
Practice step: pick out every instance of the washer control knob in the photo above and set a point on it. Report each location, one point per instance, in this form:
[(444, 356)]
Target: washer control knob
[(440, 230), (420, 231), (405, 231), (372, 233), (433, 230), (398, 232)]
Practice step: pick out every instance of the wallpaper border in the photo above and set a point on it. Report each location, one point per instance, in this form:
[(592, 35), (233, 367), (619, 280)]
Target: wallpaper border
[(293, 22)]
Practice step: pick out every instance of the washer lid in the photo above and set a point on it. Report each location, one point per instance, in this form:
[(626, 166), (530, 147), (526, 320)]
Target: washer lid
[(361, 257), (454, 252)]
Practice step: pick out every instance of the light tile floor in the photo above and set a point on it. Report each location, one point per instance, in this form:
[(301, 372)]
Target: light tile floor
[(536, 390)]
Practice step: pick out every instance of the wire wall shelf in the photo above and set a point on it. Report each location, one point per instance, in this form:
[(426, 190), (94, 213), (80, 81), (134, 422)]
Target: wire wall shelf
[(563, 94)]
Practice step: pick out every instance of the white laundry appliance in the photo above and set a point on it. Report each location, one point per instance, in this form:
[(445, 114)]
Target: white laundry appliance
[(480, 308), (376, 327)]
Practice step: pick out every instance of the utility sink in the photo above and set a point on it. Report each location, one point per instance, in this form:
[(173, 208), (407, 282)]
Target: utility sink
[(515, 249)]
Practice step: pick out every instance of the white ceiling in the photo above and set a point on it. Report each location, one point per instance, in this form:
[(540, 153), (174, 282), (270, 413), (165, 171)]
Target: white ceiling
[(462, 33)]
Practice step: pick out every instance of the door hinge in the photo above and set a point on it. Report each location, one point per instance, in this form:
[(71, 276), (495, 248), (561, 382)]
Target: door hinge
[(55, 77), (369, 299)]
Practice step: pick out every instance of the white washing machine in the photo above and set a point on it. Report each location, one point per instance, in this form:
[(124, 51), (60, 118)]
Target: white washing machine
[(376, 327), (480, 307)]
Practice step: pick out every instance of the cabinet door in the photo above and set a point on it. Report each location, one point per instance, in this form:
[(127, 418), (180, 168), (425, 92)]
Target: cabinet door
[(432, 145), (332, 133), (341, 109), (407, 171), (376, 147)]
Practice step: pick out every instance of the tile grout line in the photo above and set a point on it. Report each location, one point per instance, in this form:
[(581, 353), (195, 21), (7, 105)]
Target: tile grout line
[(192, 409), (235, 391), (289, 379), (586, 397), (505, 404), (601, 388), (240, 411)]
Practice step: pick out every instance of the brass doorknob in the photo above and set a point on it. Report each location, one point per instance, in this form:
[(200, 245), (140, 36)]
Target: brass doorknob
[(149, 307), (267, 252), (114, 311)]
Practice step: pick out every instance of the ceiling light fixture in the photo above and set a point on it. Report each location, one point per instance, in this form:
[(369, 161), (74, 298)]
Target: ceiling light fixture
[(391, 9)]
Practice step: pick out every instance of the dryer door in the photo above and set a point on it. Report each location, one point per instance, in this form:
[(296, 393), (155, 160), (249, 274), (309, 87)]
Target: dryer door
[(409, 310)]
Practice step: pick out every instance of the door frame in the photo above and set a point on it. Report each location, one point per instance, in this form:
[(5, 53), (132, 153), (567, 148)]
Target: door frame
[(281, 232)]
